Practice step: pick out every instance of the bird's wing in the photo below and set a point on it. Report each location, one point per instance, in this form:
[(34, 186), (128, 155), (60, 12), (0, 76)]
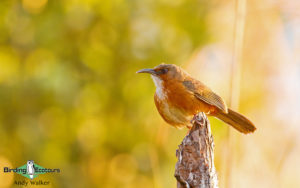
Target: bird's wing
[(205, 94)]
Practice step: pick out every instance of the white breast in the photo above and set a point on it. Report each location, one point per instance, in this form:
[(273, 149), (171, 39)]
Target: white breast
[(159, 87)]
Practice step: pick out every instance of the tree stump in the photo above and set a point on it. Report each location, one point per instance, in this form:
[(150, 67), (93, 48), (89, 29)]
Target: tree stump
[(195, 166)]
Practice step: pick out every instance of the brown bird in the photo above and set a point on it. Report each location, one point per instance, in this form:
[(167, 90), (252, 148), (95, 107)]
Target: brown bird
[(179, 97)]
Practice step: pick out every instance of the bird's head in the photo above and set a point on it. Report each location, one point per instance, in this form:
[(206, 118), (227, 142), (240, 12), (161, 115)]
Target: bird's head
[(165, 72)]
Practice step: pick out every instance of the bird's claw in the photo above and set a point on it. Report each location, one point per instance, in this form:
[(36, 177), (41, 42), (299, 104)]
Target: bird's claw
[(199, 119)]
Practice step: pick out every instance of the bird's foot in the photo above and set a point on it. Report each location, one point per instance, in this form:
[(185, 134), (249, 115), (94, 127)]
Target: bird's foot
[(199, 119)]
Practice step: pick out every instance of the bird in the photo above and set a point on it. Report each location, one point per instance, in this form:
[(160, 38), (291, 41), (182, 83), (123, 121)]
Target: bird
[(30, 169), (179, 97)]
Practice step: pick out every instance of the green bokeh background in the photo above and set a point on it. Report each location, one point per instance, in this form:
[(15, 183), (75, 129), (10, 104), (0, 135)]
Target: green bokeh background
[(69, 95)]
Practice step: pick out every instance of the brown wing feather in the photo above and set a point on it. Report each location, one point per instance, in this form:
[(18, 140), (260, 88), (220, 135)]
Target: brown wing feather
[(205, 94)]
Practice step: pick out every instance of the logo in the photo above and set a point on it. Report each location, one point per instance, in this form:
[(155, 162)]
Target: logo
[(31, 170)]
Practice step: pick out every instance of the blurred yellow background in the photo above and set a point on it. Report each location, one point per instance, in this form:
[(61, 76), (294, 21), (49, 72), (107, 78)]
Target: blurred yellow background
[(70, 98)]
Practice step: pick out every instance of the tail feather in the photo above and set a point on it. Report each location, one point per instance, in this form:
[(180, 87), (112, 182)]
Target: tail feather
[(237, 121)]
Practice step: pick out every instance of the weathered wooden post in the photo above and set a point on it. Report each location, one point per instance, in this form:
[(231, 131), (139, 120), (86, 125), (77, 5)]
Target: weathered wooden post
[(195, 166)]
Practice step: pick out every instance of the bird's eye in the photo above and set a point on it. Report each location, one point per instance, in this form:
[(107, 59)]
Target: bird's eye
[(163, 71)]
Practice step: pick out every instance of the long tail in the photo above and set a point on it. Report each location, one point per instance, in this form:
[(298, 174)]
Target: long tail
[(237, 121)]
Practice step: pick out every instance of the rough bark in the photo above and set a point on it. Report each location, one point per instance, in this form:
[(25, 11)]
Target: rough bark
[(195, 166)]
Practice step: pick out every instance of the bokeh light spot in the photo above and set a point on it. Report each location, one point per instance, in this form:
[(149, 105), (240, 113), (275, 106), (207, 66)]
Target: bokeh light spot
[(90, 134), (40, 63), (34, 6), (123, 168), (9, 65)]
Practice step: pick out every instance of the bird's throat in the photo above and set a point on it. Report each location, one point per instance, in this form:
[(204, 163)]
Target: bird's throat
[(160, 91)]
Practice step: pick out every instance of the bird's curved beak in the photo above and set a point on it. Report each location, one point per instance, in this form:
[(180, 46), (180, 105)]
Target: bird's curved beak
[(150, 71)]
